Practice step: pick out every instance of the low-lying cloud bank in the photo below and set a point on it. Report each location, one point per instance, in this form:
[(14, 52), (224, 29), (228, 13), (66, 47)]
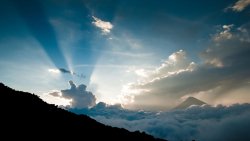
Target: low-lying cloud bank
[(205, 123)]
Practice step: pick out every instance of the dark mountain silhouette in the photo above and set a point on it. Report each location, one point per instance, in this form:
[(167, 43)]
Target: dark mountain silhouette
[(189, 102), (26, 116)]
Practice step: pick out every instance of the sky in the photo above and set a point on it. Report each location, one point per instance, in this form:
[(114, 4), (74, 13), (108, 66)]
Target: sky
[(149, 54)]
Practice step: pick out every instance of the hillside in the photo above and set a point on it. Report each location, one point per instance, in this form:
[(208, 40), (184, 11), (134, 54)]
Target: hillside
[(26, 116)]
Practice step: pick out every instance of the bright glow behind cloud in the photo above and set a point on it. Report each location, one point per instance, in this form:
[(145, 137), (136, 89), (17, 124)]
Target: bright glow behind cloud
[(56, 71)]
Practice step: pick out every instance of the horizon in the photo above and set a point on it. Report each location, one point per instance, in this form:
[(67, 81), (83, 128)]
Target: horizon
[(131, 64), (186, 123), (146, 56)]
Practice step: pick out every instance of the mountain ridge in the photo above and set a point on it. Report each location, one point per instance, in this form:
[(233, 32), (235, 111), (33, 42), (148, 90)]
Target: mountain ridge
[(26, 116)]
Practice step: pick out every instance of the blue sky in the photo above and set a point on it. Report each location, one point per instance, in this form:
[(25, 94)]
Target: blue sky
[(142, 54)]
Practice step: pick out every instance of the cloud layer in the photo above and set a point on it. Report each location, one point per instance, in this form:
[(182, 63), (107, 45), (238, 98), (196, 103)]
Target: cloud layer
[(222, 75), (206, 123), (80, 98)]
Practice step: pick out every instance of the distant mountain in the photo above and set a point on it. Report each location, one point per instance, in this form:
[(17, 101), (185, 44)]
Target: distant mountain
[(26, 116), (189, 102)]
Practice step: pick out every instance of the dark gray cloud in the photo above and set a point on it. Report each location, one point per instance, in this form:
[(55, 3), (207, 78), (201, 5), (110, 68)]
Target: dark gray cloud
[(80, 98), (206, 123), (71, 72), (63, 70)]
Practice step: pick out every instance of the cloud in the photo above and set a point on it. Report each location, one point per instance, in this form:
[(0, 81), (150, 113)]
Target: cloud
[(56, 71), (223, 73), (154, 83), (225, 34), (62, 70), (103, 25), (80, 98), (176, 63), (55, 93), (206, 123), (227, 46), (240, 5), (65, 71)]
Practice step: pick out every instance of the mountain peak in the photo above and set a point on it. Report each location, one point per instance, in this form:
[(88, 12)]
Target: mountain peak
[(189, 102)]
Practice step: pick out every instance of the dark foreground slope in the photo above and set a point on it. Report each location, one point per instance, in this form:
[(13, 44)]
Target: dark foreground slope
[(25, 116)]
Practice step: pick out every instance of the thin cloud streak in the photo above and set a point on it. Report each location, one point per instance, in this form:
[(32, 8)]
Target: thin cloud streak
[(65, 71), (240, 5)]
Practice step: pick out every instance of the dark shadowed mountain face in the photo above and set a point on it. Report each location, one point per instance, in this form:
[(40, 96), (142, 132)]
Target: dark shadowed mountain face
[(189, 102), (25, 116)]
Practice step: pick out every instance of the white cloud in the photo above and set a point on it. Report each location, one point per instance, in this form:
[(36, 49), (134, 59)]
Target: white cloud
[(103, 25), (56, 71), (206, 123), (80, 98), (176, 64), (141, 72), (240, 5), (225, 34)]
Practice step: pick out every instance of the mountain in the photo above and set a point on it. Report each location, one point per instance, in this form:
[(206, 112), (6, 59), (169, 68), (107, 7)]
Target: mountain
[(26, 116), (189, 102)]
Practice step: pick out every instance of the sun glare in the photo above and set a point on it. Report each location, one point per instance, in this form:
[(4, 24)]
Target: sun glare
[(56, 71)]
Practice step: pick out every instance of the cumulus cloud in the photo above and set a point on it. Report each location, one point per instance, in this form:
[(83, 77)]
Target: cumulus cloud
[(223, 74), (103, 25), (240, 5), (176, 64), (80, 98), (206, 123)]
